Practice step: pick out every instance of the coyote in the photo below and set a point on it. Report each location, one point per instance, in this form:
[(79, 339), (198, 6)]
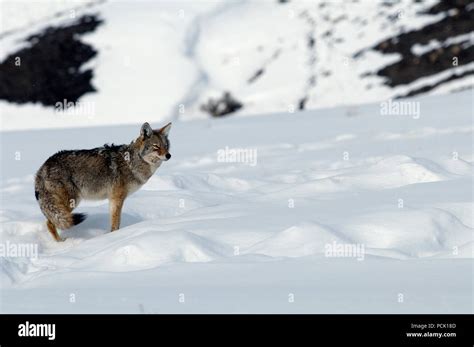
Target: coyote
[(108, 172)]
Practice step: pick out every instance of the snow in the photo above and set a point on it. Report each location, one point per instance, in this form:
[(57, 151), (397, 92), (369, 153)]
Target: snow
[(212, 234), (465, 39), (392, 190), (233, 50), (175, 55), (132, 72)]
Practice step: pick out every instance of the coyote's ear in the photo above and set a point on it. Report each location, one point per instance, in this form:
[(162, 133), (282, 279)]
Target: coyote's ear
[(146, 130), (165, 130)]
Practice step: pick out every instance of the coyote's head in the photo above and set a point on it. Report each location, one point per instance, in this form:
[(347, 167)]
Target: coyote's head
[(154, 145)]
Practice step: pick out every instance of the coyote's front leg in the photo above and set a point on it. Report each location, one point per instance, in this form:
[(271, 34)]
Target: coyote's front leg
[(115, 203)]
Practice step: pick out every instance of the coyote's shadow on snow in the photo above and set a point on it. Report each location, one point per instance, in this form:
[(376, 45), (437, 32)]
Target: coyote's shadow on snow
[(98, 224)]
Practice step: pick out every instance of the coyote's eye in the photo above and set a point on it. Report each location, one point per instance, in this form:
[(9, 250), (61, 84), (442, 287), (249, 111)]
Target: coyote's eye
[(156, 147)]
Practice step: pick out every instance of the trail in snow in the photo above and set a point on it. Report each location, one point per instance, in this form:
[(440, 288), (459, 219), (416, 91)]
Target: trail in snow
[(191, 40)]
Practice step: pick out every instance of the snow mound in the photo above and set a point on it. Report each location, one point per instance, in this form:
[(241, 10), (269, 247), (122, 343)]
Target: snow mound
[(297, 241), (143, 248), (414, 233), (394, 171)]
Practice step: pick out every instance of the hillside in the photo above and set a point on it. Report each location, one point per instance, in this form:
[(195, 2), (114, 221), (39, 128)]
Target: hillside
[(122, 62)]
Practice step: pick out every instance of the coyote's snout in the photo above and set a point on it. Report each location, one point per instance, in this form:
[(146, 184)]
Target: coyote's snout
[(108, 172)]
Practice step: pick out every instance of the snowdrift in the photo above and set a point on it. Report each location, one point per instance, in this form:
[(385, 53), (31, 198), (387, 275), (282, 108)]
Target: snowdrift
[(237, 237)]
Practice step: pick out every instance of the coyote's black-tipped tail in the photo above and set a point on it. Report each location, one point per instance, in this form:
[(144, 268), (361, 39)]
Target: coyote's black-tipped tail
[(78, 218)]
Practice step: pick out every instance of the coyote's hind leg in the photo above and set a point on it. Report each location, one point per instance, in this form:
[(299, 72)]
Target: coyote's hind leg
[(52, 229)]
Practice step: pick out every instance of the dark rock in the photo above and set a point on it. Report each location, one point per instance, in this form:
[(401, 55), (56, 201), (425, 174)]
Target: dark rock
[(459, 20), (48, 70), (222, 106), (256, 75)]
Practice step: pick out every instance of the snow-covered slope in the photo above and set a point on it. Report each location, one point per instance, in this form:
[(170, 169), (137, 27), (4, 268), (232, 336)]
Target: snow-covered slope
[(207, 234), (140, 71), (164, 59)]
